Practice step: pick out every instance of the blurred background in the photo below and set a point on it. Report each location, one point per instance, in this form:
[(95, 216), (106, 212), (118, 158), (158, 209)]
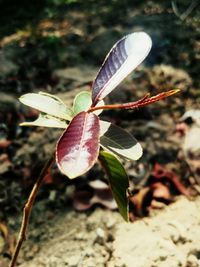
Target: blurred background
[(57, 46)]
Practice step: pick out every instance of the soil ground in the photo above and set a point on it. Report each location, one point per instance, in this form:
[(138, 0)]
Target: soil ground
[(101, 238)]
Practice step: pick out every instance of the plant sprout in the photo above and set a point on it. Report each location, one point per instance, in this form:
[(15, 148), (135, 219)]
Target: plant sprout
[(86, 138)]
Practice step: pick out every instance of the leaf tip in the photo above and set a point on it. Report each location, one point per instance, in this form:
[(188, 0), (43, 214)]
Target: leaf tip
[(139, 150)]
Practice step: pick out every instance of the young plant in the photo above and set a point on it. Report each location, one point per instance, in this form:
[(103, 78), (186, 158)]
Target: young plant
[(86, 138)]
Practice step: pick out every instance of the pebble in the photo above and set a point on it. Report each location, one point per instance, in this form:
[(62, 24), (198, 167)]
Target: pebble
[(80, 236), (100, 236), (180, 233), (100, 233), (89, 252), (110, 223), (73, 261), (192, 261), (110, 264)]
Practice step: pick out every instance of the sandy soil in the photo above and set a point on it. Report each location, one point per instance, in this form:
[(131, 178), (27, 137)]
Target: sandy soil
[(168, 238)]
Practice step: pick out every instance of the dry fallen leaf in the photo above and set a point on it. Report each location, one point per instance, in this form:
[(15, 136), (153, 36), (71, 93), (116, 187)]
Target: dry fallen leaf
[(9, 240), (156, 192), (97, 192)]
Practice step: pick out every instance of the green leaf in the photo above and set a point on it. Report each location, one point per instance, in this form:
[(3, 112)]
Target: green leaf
[(83, 101), (45, 120), (119, 142), (118, 181), (48, 104)]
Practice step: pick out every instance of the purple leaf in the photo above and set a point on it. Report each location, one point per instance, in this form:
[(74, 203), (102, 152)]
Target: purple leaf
[(124, 56), (78, 147)]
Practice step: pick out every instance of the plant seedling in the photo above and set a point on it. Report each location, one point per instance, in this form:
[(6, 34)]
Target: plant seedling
[(86, 138)]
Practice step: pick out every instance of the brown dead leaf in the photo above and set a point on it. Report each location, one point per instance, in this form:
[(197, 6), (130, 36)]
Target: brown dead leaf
[(97, 192), (160, 173), (161, 192), (4, 143), (156, 192), (139, 203), (5, 163), (9, 240)]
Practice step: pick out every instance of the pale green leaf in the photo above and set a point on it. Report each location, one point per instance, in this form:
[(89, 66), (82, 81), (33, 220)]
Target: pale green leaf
[(83, 101), (48, 104), (118, 181), (119, 142), (45, 120)]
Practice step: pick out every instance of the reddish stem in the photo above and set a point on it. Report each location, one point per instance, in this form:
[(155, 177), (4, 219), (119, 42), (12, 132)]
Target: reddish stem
[(27, 211), (146, 100)]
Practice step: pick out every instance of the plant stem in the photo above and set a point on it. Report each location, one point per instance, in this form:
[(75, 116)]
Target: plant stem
[(146, 100), (27, 210)]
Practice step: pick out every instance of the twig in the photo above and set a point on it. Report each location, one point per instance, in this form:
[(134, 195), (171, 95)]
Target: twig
[(27, 210), (146, 100), (185, 14)]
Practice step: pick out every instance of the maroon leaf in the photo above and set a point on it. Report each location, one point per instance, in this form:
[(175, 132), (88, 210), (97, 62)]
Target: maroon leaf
[(159, 173), (124, 56), (78, 147)]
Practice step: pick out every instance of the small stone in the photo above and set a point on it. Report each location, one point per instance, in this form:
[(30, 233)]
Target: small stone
[(110, 223), (110, 264), (192, 261), (100, 233), (73, 261), (100, 236), (79, 236), (90, 263), (179, 234), (89, 252)]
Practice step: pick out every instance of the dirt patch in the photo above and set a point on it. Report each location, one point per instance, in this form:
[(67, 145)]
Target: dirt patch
[(101, 238), (75, 239), (168, 239)]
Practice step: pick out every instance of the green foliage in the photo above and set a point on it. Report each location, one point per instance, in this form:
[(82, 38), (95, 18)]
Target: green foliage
[(118, 180), (45, 120), (54, 113), (78, 148), (48, 104), (119, 142), (83, 101)]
